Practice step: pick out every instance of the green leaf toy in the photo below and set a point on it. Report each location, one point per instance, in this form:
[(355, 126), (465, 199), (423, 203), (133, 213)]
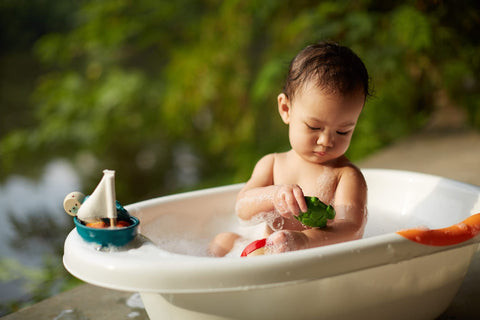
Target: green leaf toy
[(317, 215)]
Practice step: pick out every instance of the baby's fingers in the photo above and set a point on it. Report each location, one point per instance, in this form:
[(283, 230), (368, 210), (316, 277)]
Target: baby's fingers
[(300, 199), (289, 200), (292, 205)]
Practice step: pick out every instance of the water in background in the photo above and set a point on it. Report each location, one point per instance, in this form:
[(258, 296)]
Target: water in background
[(33, 227)]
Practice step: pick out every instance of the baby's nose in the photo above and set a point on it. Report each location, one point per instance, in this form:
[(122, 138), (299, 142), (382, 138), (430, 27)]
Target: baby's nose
[(325, 139)]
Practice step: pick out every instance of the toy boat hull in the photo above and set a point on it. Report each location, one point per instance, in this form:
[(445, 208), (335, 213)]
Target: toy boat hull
[(108, 237)]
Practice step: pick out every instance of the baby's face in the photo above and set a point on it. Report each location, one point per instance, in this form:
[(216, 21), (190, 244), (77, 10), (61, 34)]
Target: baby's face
[(321, 125)]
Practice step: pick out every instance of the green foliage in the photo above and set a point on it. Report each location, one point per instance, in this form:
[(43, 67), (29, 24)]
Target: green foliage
[(162, 89)]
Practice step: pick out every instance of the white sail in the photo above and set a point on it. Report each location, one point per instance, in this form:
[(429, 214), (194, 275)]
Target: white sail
[(101, 203)]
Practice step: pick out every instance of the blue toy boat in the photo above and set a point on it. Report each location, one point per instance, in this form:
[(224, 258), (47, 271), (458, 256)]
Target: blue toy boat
[(99, 218)]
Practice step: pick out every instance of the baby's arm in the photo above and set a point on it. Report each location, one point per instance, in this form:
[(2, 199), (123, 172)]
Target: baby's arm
[(260, 195), (350, 204)]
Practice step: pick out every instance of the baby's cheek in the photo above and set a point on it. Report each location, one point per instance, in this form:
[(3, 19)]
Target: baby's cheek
[(343, 145)]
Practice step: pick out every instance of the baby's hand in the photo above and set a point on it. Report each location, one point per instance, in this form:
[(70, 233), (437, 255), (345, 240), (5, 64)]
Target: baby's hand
[(289, 200), (284, 240)]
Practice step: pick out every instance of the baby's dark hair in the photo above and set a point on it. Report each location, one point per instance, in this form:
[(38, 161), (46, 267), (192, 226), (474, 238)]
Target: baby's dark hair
[(333, 68)]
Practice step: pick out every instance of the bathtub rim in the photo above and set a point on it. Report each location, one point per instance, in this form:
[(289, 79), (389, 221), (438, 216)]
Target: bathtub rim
[(168, 277)]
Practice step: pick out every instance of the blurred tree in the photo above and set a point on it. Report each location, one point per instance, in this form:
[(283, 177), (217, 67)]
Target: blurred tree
[(22, 22), (182, 94)]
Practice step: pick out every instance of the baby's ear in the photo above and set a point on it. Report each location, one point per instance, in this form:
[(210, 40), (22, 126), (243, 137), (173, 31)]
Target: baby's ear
[(284, 107)]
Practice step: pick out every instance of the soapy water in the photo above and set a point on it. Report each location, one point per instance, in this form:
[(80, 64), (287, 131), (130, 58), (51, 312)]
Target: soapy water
[(185, 244), (379, 221), (192, 234), (272, 219), (174, 237), (142, 246), (383, 221)]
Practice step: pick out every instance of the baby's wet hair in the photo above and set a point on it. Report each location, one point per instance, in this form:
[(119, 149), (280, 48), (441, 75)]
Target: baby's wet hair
[(333, 68)]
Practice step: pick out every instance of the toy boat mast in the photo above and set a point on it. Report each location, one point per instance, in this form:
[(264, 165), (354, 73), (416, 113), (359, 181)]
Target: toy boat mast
[(111, 209), (102, 202)]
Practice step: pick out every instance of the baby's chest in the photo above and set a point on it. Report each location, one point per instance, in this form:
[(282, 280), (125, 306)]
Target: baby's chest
[(320, 183)]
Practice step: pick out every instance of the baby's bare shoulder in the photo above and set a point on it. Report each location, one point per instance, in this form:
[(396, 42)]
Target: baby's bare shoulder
[(350, 168), (263, 171), (350, 174), (266, 161)]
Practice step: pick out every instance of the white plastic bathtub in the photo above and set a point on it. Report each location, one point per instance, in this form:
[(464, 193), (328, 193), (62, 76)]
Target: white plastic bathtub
[(382, 276)]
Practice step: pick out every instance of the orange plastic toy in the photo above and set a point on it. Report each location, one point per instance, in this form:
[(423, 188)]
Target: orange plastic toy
[(455, 234)]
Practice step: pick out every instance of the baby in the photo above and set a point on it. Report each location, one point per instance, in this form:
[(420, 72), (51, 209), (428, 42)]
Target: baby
[(324, 94)]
